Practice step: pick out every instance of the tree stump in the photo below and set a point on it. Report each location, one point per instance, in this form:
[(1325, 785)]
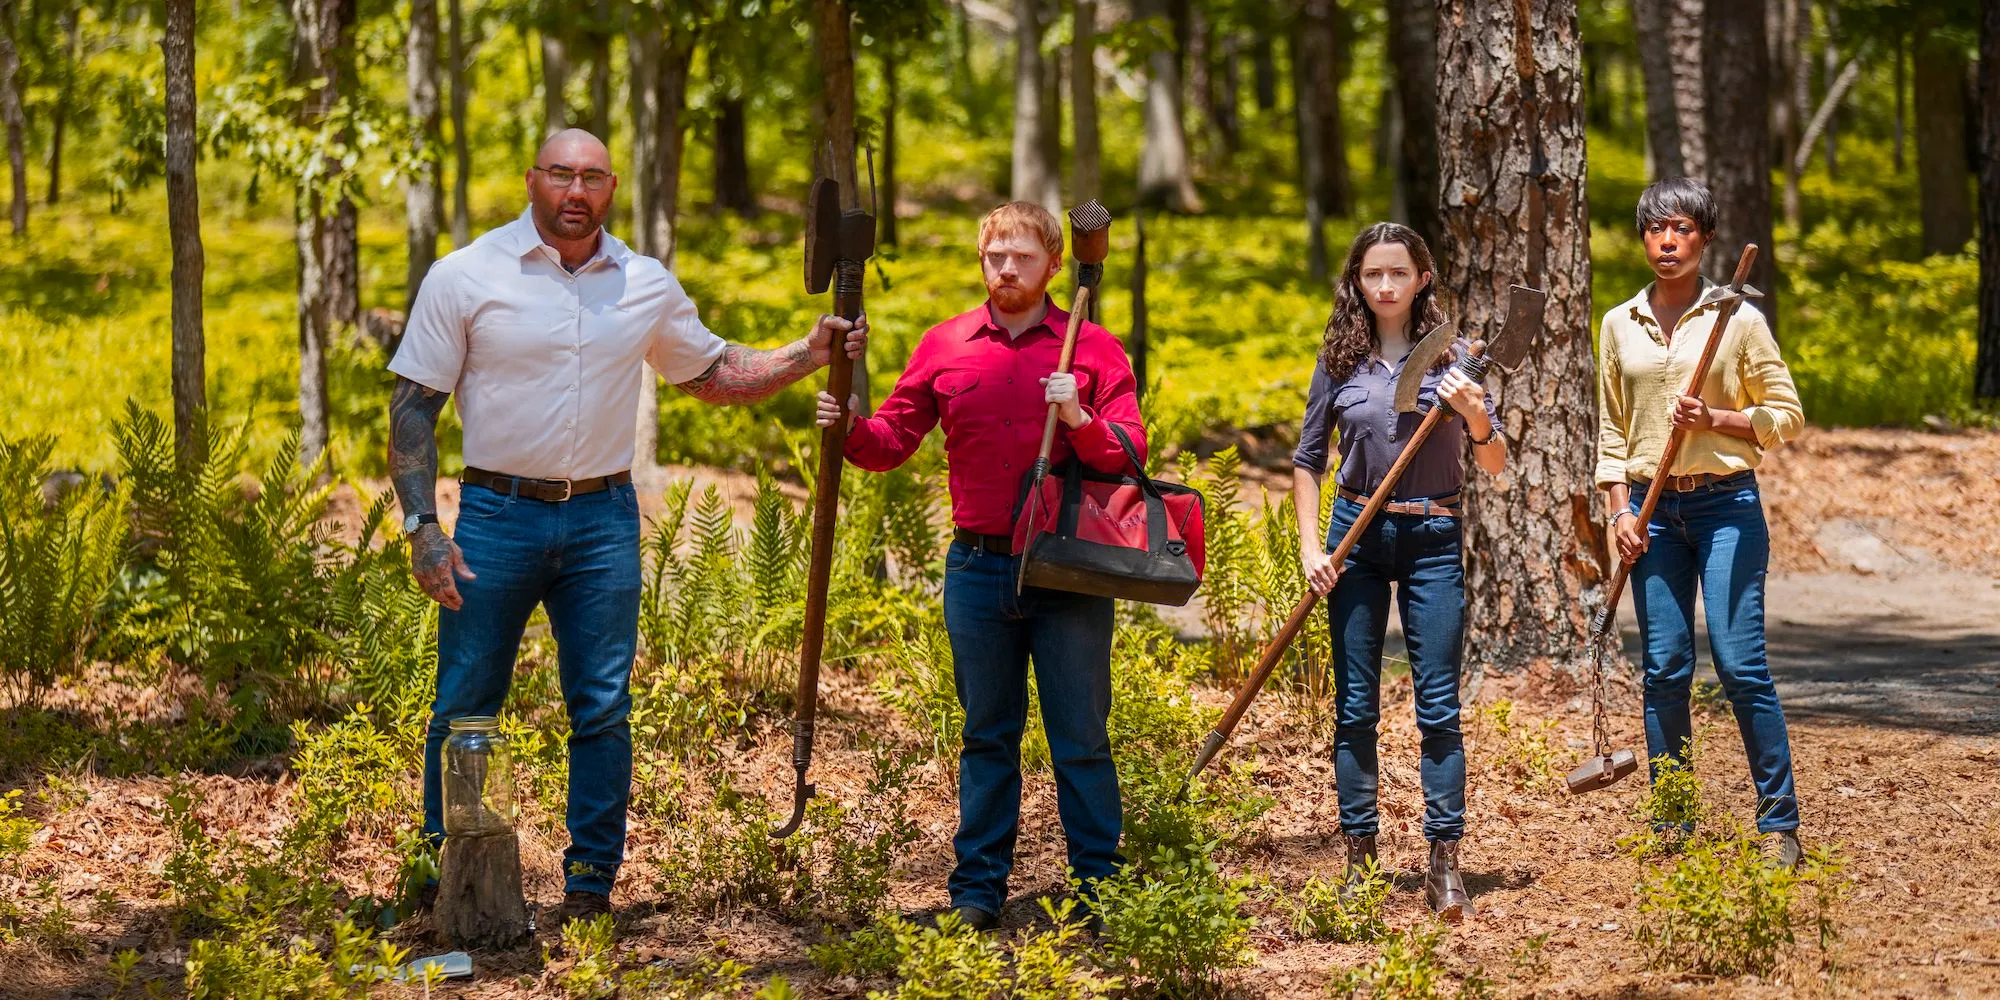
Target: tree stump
[(480, 904)]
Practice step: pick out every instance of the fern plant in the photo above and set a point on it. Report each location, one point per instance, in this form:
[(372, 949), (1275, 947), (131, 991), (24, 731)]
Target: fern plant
[(57, 562)]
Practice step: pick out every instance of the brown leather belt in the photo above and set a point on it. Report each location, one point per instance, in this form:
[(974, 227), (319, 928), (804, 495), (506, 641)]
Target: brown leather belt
[(1444, 506), (999, 545), (1697, 481), (547, 490)]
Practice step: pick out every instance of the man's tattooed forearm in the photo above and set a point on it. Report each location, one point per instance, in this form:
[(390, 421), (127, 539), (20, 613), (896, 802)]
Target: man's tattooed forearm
[(413, 457), (746, 374)]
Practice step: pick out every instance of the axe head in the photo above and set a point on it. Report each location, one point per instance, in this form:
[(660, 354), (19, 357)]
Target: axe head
[(1089, 233), (1525, 307), (823, 233), (857, 235), (1436, 344)]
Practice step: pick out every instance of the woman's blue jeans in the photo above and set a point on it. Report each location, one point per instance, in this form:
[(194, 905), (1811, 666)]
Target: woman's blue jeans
[(994, 635), (1420, 555), (1713, 537), (580, 560)]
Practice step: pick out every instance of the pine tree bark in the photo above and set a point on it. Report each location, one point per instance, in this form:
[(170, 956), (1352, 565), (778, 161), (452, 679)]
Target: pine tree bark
[(731, 153), (59, 115), (1034, 177), (480, 903), (600, 72), (1511, 160), (1086, 178), (1738, 71), (327, 248), (190, 384), (1945, 201), (461, 148), (1165, 174), (1986, 365), (1264, 71), (1684, 25), (644, 40), (1311, 155), (555, 80), (1322, 66), (1795, 23), (420, 197), (11, 115), (1650, 21), (891, 101), (1413, 57)]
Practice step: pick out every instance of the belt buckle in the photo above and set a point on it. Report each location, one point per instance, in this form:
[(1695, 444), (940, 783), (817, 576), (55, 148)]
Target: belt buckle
[(1686, 484), (569, 489)]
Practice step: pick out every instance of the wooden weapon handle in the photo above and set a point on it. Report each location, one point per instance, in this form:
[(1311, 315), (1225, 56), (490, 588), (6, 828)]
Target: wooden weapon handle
[(1078, 306), (1601, 626)]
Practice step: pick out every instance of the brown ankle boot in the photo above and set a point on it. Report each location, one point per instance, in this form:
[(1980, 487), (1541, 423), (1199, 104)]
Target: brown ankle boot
[(1444, 888), (1360, 861)]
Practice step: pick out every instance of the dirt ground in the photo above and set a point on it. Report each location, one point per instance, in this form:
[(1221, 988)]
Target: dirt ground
[(1885, 639)]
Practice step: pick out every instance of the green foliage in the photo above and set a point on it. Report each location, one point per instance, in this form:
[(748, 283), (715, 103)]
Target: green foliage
[(1176, 924), (1672, 807), (16, 830), (221, 969), (1408, 967), (948, 961), (593, 967), (56, 565), (1889, 341), (920, 686), (350, 772), (1525, 754), (1327, 909), (1724, 908)]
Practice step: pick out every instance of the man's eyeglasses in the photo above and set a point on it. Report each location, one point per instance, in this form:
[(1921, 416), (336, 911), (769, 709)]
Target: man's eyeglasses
[(562, 177)]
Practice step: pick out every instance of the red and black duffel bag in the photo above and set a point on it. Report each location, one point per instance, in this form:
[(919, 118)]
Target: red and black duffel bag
[(1124, 536)]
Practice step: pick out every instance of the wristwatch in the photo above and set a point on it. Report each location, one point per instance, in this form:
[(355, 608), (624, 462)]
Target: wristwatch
[(415, 521)]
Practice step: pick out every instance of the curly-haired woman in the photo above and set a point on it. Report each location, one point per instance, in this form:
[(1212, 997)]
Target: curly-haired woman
[(1383, 304)]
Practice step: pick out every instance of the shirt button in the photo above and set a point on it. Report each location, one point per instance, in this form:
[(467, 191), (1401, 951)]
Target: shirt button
[(572, 387)]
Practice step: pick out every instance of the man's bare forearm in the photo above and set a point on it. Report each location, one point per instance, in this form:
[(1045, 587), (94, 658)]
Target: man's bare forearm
[(747, 374), (413, 457)]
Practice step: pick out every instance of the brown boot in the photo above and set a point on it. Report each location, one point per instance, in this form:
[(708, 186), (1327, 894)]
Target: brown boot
[(1360, 861), (1444, 888)]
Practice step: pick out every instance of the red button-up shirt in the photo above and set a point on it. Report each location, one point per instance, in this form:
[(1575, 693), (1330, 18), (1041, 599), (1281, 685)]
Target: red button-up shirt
[(985, 387)]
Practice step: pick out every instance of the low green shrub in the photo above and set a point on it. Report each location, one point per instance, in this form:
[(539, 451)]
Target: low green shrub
[(1326, 909), (589, 969), (1672, 807), (1722, 907), (948, 961), (57, 562), (1524, 752), (1408, 967), (919, 685), (1177, 923), (298, 969)]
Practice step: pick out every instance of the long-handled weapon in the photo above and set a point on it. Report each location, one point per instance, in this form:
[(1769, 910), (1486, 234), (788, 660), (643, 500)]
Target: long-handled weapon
[(1524, 318), (838, 245), (1605, 766), (1089, 244)]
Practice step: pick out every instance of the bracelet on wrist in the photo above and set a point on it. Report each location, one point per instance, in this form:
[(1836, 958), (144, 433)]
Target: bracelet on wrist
[(1492, 431)]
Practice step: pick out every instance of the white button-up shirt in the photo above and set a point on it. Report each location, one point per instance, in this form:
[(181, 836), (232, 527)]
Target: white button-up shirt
[(546, 365)]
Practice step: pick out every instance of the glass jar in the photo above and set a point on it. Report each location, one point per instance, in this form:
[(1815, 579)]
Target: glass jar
[(478, 778)]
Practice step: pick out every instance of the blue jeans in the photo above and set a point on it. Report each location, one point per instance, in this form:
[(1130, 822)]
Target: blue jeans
[(1715, 537), (994, 634), (580, 560), (1420, 555)]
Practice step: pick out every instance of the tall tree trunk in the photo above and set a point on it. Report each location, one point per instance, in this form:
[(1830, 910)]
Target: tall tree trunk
[(1086, 180), (1136, 340), (1986, 367), (669, 145), (461, 149), (184, 233), (1511, 151), (1413, 55), (1312, 164), (555, 80), (600, 72), (1165, 175), (1829, 71), (59, 115), (833, 43), (1738, 67), (1052, 109), (1795, 27), (1941, 184), (1034, 177), (328, 268), (1200, 64), (1323, 46), (1901, 89), (1685, 20), (1650, 21), (644, 40), (420, 198), (733, 190), (10, 114), (1264, 71), (890, 106), (1226, 106)]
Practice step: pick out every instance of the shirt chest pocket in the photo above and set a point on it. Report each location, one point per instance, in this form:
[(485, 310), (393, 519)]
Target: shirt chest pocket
[(1350, 405), (954, 389)]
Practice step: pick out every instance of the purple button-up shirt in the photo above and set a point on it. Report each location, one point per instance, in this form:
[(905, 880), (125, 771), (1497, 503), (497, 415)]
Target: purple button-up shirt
[(1372, 433)]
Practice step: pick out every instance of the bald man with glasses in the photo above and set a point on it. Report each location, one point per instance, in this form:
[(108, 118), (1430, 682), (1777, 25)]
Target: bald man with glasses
[(542, 330)]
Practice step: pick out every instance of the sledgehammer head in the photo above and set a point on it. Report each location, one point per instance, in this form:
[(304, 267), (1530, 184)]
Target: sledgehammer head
[(1089, 233), (1601, 772)]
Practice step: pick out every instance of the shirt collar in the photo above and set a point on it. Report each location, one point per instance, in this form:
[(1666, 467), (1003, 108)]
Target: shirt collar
[(1640, 306), (520, 238), (1055, 319)]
